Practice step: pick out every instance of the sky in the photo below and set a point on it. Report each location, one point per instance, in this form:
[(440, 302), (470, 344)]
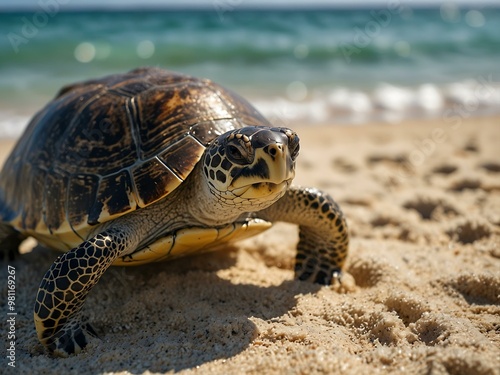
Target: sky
[(69, 4)]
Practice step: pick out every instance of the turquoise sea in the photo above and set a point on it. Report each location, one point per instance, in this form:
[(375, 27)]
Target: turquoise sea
[(341, 66)]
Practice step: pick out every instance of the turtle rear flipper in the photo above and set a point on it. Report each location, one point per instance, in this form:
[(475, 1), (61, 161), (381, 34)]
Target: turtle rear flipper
[(10, 239), (65, 286)]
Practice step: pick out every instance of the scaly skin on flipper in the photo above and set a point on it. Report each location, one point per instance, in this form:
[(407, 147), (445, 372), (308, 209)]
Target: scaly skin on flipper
[(65, 286), (323, 237)]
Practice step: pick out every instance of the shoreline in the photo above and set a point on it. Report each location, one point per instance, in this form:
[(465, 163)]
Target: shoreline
[(297, 104), (451, 120)]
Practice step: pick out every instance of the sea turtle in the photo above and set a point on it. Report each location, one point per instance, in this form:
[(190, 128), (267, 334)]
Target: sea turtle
[(146, 166)]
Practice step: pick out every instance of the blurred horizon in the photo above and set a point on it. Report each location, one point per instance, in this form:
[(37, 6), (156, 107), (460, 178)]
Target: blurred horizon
[(116, 5)]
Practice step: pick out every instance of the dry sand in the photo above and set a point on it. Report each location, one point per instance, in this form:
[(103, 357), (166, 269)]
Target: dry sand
[(420, 295)]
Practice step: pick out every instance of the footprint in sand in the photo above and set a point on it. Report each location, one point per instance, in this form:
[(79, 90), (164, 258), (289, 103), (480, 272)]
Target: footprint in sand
[(491, 166), (468, 231), (466, 183), (441, 329), (475, 289), (391, 159), (431, 208), (409, 307), (445, 169), (369, 272)]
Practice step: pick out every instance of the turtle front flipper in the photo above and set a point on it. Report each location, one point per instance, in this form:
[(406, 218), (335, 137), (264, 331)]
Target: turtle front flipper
[(65, 286), (323, 237)]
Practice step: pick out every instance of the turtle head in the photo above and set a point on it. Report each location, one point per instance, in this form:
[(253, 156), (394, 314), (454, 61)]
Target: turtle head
[(252, 166)]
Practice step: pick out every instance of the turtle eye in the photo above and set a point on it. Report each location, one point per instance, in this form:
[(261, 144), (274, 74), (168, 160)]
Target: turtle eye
[(234, 154)]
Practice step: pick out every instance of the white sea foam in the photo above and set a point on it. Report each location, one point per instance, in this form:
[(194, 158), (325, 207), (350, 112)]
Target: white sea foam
[(342, 105), (12, 125), (386, 102)]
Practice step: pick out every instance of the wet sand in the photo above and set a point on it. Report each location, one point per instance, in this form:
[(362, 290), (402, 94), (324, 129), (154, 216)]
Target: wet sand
[(420, 292)]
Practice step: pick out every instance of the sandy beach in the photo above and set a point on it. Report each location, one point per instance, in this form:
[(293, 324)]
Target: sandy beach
[(420, 293)]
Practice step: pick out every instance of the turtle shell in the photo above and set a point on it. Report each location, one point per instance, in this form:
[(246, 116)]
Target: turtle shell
[(106, 147)]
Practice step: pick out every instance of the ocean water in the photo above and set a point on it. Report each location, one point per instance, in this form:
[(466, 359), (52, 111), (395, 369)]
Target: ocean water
[(339, 66)]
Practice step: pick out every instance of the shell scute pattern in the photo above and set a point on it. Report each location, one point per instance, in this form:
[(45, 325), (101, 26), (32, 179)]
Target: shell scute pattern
[(82, 188), (36, 182), (174, 113), (153, 180), (182, 156), (131, 87), (157, 121), (206, 131), (122, 142), (99, 135), (115, 194), (32, 161), (54, 216)]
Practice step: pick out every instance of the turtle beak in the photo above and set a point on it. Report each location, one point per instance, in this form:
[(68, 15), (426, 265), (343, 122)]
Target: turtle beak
[(278, 159), (273, 167)]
